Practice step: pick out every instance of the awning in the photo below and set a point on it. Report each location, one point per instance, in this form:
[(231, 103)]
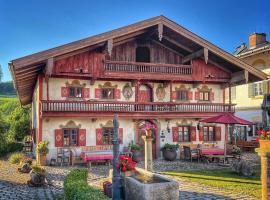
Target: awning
[(227, 118)]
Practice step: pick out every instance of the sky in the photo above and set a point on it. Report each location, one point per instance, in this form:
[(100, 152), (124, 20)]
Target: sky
[(30, 26)]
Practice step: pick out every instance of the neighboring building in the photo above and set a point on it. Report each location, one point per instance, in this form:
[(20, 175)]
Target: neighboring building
[(151, 72), (249, 97)]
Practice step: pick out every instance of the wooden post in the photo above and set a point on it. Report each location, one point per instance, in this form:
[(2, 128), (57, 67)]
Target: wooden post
[(170, 91), (148, 157)]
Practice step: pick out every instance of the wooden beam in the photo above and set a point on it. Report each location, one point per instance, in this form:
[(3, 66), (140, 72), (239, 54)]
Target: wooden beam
[(160, 31), (192, 56), (176, 43), (49, 66), (241, 76), (205, 54), (159, 43), (110, 46)]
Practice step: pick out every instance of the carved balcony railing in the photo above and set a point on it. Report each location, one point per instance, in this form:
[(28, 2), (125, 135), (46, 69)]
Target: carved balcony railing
[(101, 106), (140, 67)]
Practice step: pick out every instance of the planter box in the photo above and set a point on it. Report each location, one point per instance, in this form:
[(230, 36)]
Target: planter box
[(264, 144), (41, 159), (154, 187)]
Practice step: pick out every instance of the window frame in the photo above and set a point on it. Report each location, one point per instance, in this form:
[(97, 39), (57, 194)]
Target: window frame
[(110, 136), (208, 134), (204, 96), (179, 94), (75, 92), (258, 89), (69, 132), (182, 138)]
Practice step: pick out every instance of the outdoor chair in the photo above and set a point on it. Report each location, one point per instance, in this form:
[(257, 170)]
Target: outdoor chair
[(63, 156), (190, 154)]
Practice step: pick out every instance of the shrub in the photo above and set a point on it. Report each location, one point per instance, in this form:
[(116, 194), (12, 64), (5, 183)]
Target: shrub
[(135, 147), (38, 169), (76, 187), (15, 158), (9, 147), (170, 147)]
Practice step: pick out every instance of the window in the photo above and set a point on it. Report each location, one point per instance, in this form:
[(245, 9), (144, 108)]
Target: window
[(184, 134), (208, 133), (70, 137), (107, 93), (107, 135), (204, 96), (182, 95), (258, 89), (75, 92)]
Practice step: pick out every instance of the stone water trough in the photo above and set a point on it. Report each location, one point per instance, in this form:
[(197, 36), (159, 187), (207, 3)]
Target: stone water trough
[(145, 185)]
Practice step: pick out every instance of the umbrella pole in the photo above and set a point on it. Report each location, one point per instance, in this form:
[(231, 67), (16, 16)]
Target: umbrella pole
[(225, 141)]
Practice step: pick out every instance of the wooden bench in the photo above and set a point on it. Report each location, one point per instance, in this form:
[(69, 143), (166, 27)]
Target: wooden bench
[(247, 145)]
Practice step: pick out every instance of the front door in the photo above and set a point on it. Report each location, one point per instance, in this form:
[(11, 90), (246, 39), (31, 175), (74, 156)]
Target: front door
[(140, 141)]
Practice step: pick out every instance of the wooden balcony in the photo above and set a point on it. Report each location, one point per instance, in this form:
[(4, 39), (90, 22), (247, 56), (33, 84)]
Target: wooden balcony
[(134, 108), (118, 69)]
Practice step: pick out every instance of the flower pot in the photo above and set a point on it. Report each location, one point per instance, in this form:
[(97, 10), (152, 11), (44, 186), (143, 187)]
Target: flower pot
[(37, 179), (169, 155), (41, 159), (136, 156), (264, 144)]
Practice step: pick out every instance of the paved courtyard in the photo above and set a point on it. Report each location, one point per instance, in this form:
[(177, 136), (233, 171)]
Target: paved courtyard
[(12, 183)]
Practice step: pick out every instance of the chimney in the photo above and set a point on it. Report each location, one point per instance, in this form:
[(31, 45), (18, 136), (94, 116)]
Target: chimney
[(256, 39)]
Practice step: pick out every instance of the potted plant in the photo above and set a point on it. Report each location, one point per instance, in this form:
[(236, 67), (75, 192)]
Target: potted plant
[(37, 176), (136, 152), (126, 165), (263, 138), (169, 151), (42, 151)]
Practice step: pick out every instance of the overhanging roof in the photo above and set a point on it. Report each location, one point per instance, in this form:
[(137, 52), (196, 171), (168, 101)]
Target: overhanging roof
[(26, 69)]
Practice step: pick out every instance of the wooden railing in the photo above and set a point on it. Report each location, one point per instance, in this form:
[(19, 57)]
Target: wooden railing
[(124, 66), (101, 106)]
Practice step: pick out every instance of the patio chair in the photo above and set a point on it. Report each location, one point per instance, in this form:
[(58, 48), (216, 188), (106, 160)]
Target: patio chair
[(190, 154)]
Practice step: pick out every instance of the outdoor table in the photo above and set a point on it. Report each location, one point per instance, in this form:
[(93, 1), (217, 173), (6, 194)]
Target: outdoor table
[(212, 151)]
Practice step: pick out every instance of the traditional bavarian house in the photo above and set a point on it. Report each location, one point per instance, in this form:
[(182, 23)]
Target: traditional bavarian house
[(151, 72)]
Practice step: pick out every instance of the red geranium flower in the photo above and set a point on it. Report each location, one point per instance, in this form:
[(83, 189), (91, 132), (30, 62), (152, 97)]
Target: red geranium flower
[(257, 139)]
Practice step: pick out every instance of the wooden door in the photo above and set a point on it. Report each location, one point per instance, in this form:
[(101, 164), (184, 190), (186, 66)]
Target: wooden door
[(140, 141)]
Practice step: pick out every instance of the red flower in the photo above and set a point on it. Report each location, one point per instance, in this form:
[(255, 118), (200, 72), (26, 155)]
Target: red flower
[(258, 132), (124, 169), (264, 134), (257, 139)]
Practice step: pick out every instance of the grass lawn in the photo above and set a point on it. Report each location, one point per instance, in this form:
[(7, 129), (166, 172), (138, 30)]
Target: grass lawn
[(224, 179)]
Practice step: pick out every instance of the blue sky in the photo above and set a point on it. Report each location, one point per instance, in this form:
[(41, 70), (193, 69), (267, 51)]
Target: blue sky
[(30, 26)]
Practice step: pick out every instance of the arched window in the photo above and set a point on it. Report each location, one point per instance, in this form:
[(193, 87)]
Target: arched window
[(259, 64), (143, 54)]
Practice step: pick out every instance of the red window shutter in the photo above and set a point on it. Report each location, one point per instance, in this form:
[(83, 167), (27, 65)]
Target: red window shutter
[(117, 93), (212, 96), (201, 134), (174, 95), (98, 93), (121, 135), (190, 95), (82, 137), (58, 136), (197, 95), (64, 92), (175, 134), (85, 92), (99, 136), (193, 133), (218, 133)]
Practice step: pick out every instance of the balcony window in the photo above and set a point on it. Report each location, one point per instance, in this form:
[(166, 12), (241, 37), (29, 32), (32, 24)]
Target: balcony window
[(107, 135), (75, 92), (70, 137), (107, 93), (258, 89), (184, 133), (204, 96), (182, 95), (208, 133)]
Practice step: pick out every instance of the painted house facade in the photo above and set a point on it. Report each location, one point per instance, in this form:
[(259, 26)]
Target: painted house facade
[(151, 72)]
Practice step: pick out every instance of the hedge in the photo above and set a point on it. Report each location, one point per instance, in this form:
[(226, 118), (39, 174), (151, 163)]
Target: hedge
[(10, 147), (76, 187)]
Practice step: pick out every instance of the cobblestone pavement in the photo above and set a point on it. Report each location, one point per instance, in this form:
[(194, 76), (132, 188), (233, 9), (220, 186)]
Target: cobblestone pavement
[(13, 184)]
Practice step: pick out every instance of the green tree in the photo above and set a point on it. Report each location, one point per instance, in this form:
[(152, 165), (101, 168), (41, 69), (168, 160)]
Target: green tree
[(1, 74), (2, 134), (19, 122)]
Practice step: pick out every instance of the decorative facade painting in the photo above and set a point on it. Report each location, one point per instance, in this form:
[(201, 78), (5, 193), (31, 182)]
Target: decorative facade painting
[(160, 92), (127, 91)]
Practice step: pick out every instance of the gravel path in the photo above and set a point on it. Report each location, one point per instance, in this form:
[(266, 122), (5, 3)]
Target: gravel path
[(13, 184)]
